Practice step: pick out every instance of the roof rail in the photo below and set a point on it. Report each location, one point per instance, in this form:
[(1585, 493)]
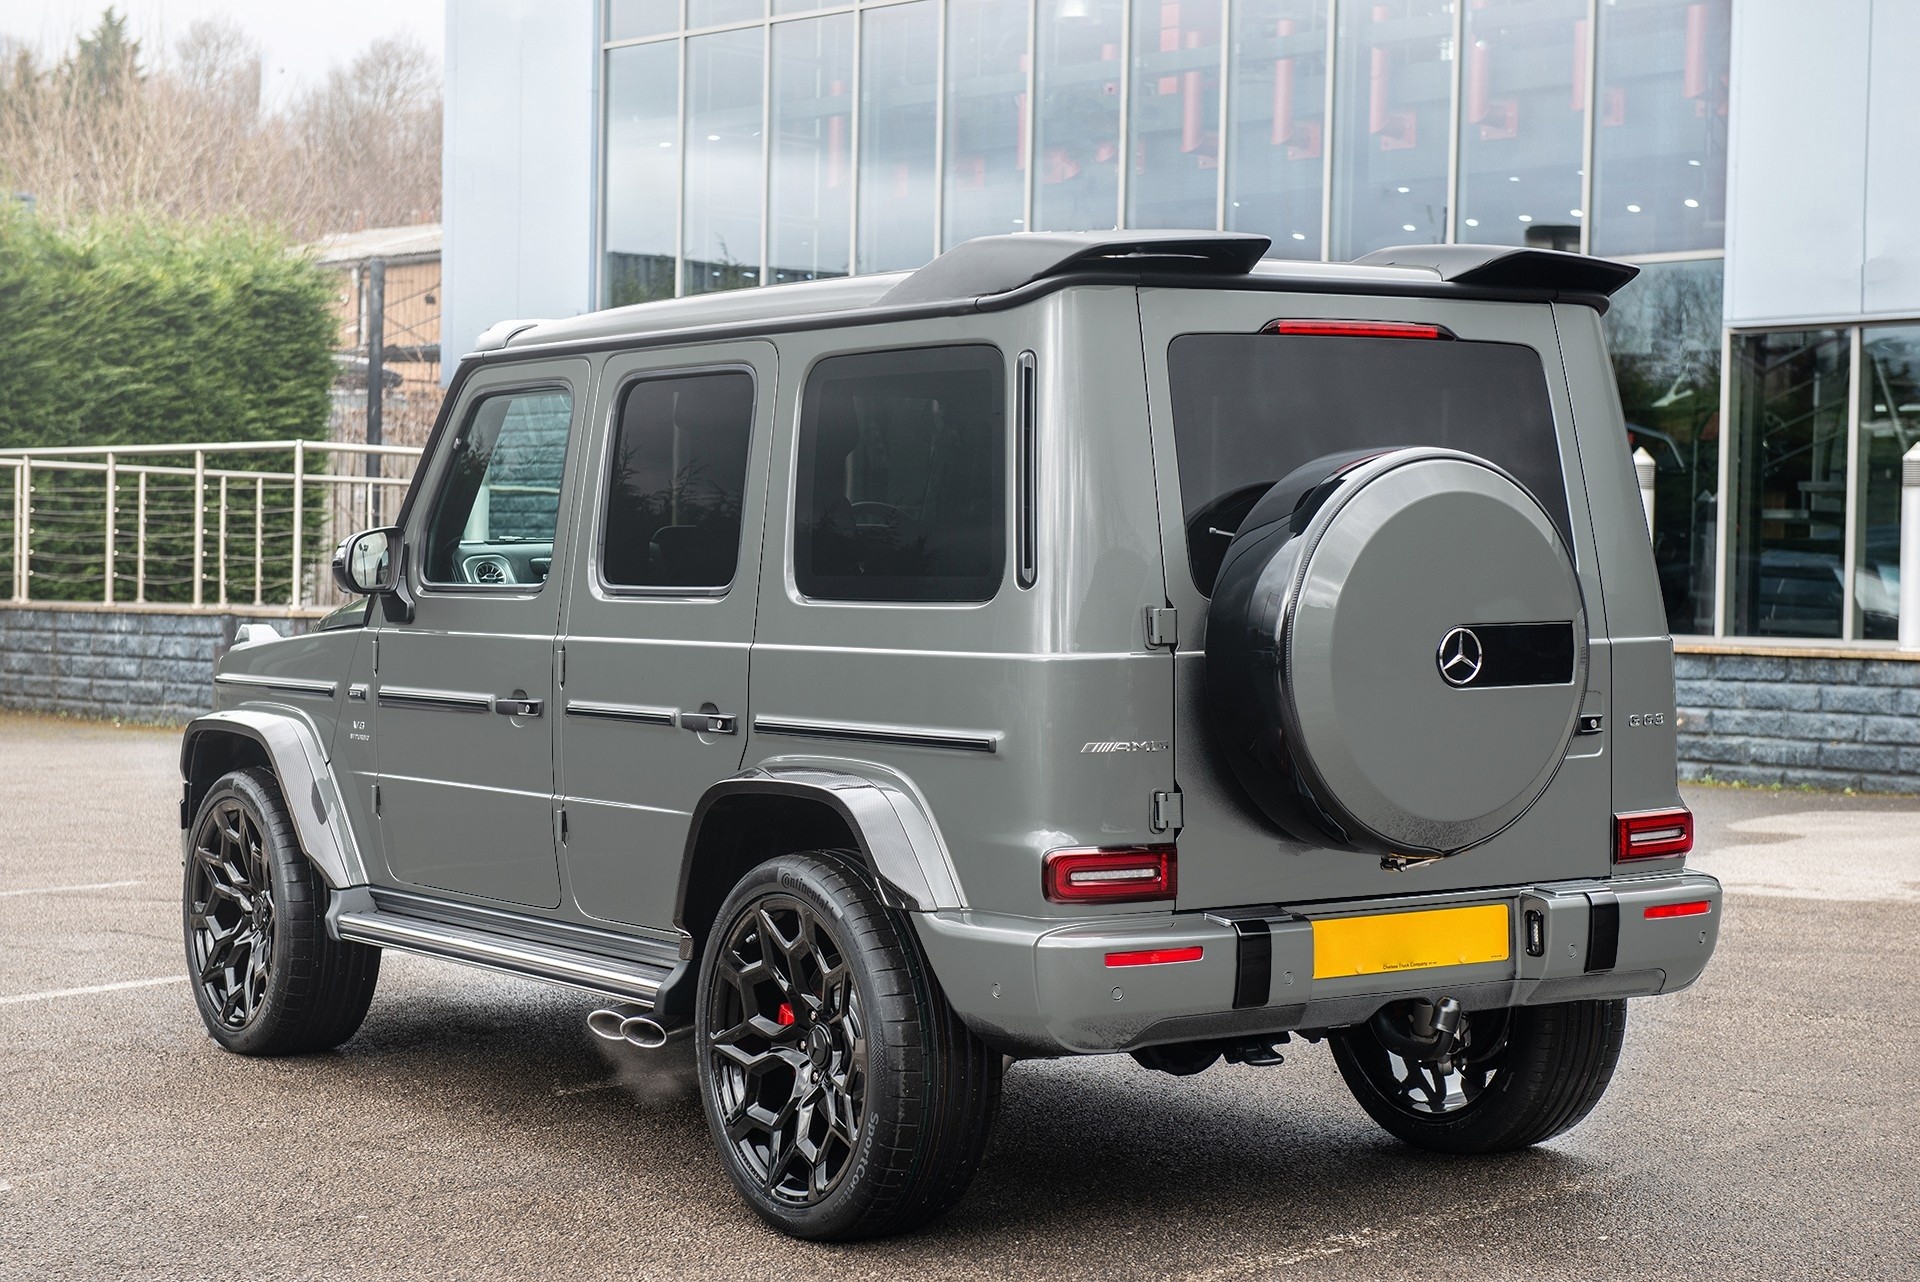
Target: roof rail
[(997, 264), (1506, 267)]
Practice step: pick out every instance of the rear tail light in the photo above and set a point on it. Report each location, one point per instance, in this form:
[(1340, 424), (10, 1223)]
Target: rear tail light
[(1357, 329), (1157, 956), (1108, 875), (1652, 834), (1696, 908)]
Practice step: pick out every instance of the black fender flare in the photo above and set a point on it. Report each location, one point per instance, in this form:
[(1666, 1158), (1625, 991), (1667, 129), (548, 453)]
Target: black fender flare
[(300, 763)]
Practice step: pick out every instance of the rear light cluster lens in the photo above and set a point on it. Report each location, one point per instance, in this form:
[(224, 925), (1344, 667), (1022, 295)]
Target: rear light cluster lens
[(1696, 908), (1652, 834), (1109, 875), (1357, 329)]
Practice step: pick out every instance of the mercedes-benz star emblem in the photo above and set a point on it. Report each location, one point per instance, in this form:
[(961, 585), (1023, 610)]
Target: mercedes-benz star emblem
[(1460, 657)]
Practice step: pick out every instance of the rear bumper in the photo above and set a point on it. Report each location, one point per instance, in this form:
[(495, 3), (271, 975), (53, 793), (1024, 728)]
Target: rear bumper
[(1042, 988)]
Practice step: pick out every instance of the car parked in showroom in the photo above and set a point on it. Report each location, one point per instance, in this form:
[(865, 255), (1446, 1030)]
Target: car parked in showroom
[(1084, 644)]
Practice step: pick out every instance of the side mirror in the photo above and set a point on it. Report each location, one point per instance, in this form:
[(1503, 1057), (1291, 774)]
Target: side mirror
[(367, 564)]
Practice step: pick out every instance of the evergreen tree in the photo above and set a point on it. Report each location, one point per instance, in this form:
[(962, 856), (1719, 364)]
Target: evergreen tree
[(105, 64)]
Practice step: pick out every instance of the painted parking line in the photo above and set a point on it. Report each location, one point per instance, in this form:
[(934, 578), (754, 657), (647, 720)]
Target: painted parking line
[(63, 890), (15, 999)]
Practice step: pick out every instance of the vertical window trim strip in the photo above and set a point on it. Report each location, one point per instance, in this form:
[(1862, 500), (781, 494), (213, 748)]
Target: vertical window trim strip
[(1026, 515)]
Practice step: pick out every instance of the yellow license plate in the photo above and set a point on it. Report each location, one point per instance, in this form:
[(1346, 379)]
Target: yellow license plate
[(1388, 942)]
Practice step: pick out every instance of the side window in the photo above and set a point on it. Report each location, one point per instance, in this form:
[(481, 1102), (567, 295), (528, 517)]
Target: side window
[(499, 502), (901, 487), (679, 471)]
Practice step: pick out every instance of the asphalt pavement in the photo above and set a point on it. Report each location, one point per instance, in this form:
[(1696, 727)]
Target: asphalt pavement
[(1763, 1124)]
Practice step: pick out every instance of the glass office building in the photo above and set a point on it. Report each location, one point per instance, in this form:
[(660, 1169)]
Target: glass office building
[(749, 142)]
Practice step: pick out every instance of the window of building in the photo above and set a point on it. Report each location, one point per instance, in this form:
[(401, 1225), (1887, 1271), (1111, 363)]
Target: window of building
[(1889, 428), (810, 204), (986, 119), (1394, 91), (1077, 121), (1276, 122), (678, 476), (1174, 138), (1250, 408), (725, 77), (629, 19), (1660, 127), (1789, 538), (901, 494), (899, 75), (1523, 115), (1664, 333), (716, 13), (498, 505), (642, 172)]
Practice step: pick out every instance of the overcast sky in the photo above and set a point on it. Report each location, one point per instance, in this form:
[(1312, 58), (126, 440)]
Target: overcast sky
[(299, 39)]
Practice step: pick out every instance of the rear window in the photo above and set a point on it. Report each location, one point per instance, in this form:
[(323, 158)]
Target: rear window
[(1250, 408)]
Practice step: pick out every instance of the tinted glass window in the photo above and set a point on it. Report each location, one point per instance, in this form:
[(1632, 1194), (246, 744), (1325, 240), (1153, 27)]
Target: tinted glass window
[(679, 470), (1250, 408), (499, 502), (902, 477)]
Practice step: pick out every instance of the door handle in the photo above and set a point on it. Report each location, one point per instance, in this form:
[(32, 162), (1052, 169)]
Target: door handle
[(708, 722), (519, 707)]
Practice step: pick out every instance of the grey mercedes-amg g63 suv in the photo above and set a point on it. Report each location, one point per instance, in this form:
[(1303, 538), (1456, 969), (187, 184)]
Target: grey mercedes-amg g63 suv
[(1086, 643)]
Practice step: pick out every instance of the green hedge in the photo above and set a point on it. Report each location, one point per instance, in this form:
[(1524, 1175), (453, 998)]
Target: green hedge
[(140, 332)]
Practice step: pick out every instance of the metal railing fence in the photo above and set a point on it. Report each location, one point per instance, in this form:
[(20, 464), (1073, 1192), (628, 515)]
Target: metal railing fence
[(202, 526)]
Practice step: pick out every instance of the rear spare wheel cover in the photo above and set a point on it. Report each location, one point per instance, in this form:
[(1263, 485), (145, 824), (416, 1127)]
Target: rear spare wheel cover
[(1433, 652)]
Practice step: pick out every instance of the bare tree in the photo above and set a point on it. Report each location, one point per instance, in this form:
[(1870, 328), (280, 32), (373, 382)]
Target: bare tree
[(103, 133)]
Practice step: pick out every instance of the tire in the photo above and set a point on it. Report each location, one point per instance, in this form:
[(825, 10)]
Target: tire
[(1537, 1071), (266, 976), (846, 1098)]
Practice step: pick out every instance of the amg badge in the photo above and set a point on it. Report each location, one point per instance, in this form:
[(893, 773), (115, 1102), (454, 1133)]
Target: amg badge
[(1137, 745)]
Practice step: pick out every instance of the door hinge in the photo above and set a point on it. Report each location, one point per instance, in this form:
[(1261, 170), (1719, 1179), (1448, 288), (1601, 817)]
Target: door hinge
[(376, 655), (560, 666), (1167, 812), (376, 799), (560, 824), (1163, 627)]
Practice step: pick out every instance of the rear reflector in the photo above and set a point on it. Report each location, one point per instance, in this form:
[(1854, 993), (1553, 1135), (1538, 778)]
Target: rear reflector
[(1108, 875), (1652, 834), (1357, 329), (1694, 909), (1156, 956)]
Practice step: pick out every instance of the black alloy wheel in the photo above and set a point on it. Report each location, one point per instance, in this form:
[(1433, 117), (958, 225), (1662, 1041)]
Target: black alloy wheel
[(789, 1051), (267, 978), (1512, 1079), (846, 1098), (230, 926)]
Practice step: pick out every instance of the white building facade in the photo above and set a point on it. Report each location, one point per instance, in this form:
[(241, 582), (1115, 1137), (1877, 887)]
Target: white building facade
[(1755, 157)]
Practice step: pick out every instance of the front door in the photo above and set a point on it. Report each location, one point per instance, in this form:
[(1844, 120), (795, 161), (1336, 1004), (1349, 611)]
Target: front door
[(660, 617), (463, 692)]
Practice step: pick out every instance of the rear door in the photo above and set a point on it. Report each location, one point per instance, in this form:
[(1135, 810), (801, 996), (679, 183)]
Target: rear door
[(462, 691), (1232, 408), (660, 616)]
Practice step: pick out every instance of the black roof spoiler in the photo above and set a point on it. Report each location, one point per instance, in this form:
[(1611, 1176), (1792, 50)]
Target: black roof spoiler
[(1505, 267), (999, 264)]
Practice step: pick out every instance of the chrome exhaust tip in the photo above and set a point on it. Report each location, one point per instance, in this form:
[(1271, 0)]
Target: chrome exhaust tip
[(630, 1025)]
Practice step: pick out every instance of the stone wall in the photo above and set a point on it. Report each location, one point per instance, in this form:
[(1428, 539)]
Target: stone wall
[(1825, 721), (125, 664)]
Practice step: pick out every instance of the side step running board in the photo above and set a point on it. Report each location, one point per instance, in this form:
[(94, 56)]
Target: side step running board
[(630, 981)]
